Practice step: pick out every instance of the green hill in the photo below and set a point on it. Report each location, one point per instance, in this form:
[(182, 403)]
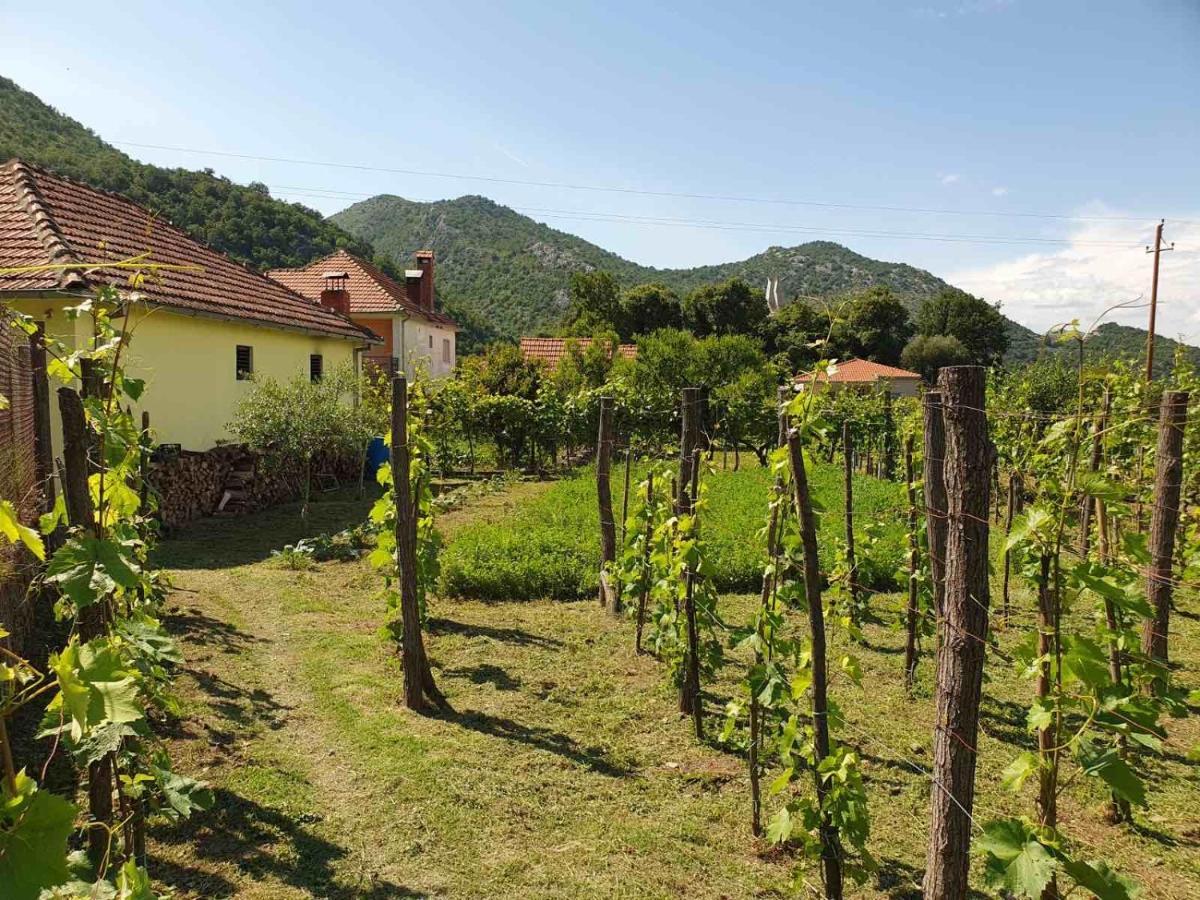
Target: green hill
[(499, 272)]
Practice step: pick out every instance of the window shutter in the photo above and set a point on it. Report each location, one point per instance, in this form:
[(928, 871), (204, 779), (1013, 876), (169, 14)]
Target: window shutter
[(316, 367)]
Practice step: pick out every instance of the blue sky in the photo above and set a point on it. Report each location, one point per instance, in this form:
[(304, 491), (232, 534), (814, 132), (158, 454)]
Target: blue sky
[(988, 106)]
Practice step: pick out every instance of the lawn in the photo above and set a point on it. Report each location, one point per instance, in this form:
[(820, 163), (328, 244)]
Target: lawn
[(565, 770), (547, 544)]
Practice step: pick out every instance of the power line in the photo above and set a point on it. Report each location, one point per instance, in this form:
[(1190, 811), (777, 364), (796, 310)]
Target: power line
[(491, 179), (752, 227)]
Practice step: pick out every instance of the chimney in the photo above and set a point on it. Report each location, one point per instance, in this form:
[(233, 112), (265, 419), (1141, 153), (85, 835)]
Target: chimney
[(412, 286), (334, 295), (425, 265)]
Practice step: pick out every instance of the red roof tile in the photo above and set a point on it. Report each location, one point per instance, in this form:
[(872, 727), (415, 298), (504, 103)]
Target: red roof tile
[(861, 371), (48, 219), (551, 350), (369, 289)]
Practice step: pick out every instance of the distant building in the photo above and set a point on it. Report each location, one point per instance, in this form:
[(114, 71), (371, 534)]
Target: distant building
[(203, 325), (864, 373), (551, 350), (415, 335)]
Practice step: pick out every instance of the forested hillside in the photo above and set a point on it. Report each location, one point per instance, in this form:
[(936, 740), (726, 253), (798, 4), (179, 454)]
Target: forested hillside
[(515, 271)]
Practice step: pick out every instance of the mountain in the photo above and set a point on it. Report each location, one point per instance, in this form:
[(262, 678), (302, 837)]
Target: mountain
[(515, 271)]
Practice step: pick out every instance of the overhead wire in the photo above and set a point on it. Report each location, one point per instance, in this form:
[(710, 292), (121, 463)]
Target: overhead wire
[(685, 195)]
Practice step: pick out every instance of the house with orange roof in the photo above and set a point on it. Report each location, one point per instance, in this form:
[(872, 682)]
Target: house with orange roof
[(866, 374), (200, 327), (551, 350), (416, 335)]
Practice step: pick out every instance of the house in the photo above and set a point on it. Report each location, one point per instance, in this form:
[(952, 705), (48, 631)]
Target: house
[(198, 331), (551, 350), (864, 373), (415, 335)]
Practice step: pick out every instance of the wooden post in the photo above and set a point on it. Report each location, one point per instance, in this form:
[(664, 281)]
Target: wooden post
[(1014, 487), (848, 497), (1047, 734), (42, 426), (767, 603), (77, 442), (419, 687), (625, 492), (935, 495), (889, 436), (1118, 807), (1164, 522), (910, 643), (608, 529), (1085, 504), (644, 596), (689, 700), (831, 850), (968, 457)]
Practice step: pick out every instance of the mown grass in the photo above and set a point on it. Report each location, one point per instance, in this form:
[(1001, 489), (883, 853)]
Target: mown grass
[(547, 546), (565, 770)]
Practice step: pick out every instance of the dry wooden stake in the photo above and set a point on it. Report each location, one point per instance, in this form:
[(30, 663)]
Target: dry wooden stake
[(935, 494), (963, 623), (910, 643), (608, 533), (1164, 522)]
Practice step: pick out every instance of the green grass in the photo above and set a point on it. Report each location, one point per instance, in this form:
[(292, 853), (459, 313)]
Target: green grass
[(565, 770), (547, 546)]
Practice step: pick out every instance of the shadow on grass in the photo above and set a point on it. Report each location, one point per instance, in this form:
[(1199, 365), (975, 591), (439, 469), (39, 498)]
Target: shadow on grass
[(485, 673), (506, 635), (592, 758), (222, 543), (1003, 720), (261, 843), (901, 881), (197, 627)]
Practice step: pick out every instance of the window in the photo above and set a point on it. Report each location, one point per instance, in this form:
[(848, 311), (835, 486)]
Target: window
[(445, 350), (316, 367), (431, 342), (245, 362)]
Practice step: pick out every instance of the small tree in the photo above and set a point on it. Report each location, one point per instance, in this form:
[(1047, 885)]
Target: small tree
[(297, 419), (926, 353)]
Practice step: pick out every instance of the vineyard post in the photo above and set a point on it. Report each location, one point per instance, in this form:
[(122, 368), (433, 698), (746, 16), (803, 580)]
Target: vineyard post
[(968, 457), (889, 435), (625, 493), (419, 687), (770, 582), (1164, 521), (851, 562), (910, 643), (831, 850), (42, 427), (1085, 508), (935, 494), (77, 441), (689, 700), (644, 596), (1014, 485), (1119, 807), (608, 531)]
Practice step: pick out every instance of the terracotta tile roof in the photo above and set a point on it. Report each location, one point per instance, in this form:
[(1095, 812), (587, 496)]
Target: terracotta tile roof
[(861, 371), (551, 350), (370, 290), (46, 218)]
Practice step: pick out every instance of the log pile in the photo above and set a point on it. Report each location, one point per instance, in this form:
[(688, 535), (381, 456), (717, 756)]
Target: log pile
[(232, 479)]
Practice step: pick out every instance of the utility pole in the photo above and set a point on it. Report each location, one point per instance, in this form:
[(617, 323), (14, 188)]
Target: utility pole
[(1157, 251)]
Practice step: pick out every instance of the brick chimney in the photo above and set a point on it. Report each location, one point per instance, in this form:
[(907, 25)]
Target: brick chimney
[(334, 295), (425, 265)]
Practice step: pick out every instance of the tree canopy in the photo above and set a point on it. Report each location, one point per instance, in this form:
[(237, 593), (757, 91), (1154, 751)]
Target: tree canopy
[(977, 324)]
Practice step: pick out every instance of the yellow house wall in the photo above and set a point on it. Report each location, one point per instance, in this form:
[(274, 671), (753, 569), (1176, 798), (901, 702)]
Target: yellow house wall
[(188, 364)]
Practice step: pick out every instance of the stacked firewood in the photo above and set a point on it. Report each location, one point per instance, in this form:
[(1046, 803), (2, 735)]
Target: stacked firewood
[(232, 479)]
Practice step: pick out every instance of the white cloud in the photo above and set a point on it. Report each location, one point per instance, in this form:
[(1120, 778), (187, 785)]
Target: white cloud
[(999, 191), (1085, 277), (950, 178)]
